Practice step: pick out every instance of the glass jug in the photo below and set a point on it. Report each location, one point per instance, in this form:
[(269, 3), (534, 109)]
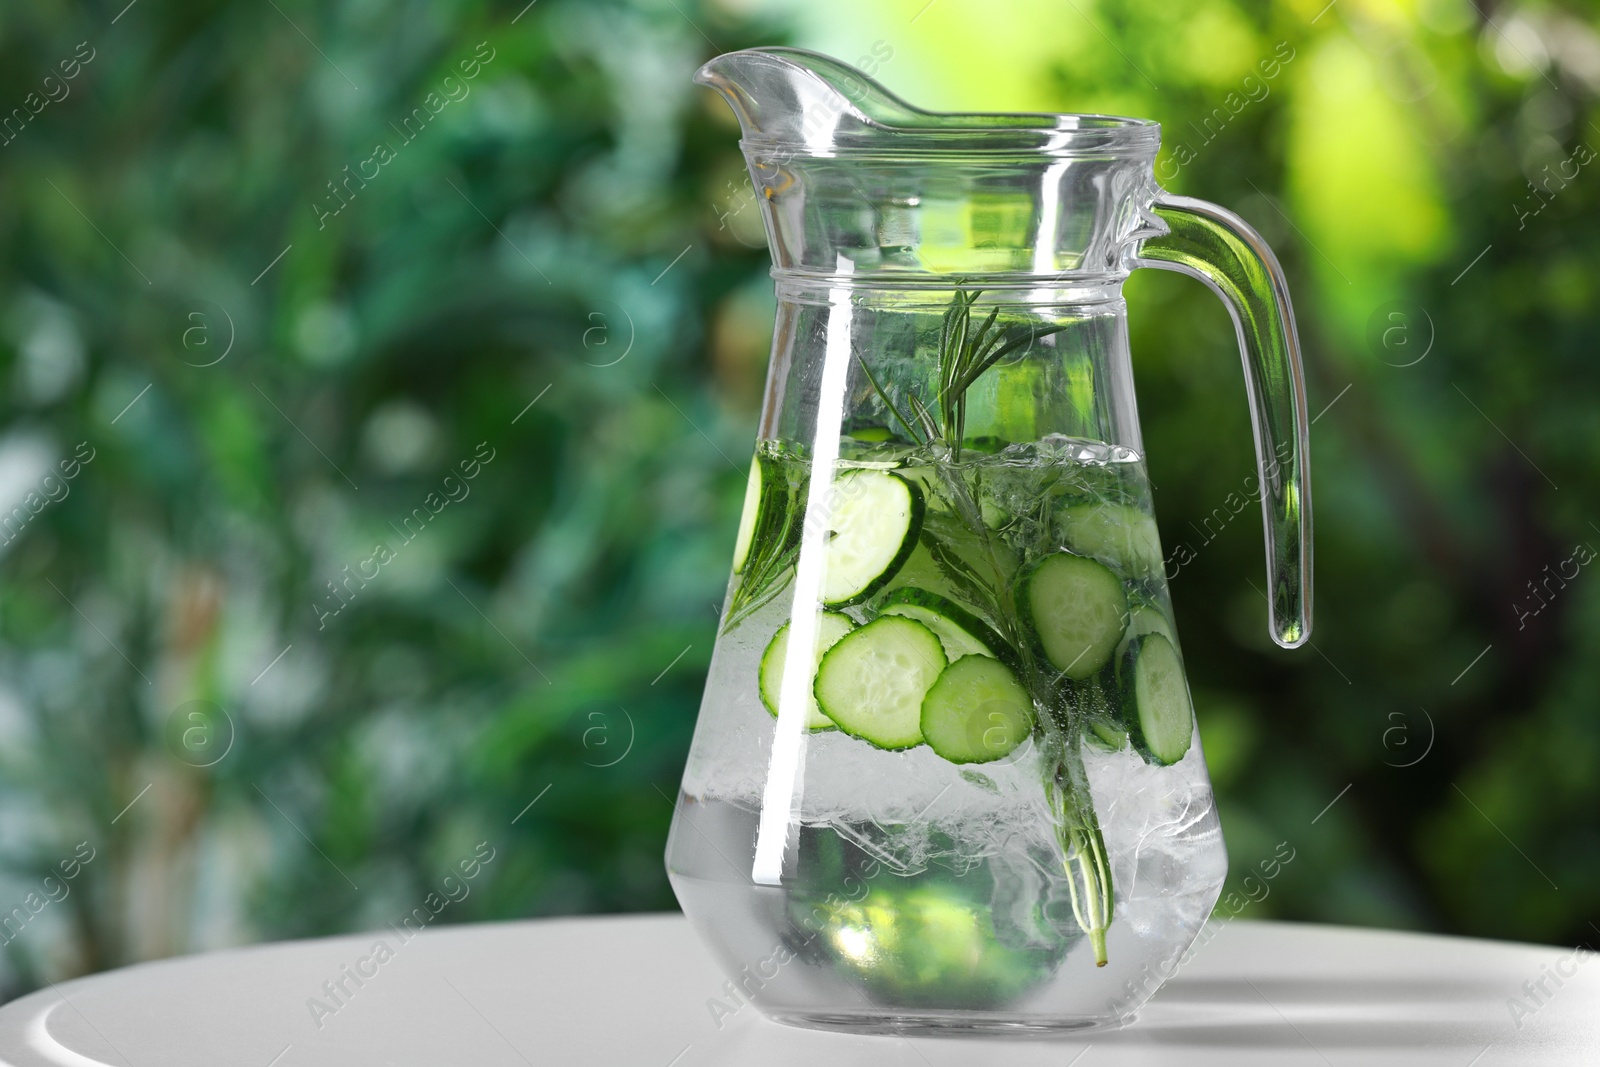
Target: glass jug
[(946, 774)]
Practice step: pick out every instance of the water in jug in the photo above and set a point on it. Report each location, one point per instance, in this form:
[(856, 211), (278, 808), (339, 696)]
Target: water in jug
[(946, 774)]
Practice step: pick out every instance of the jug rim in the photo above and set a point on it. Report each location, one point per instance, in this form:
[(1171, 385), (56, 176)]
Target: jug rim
[(888, 126)]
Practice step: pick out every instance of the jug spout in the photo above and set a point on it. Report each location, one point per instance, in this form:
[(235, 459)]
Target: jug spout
[(808, 102), (801, 100)]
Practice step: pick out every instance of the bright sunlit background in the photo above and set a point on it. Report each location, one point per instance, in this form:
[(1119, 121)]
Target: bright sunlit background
[(521, 346)]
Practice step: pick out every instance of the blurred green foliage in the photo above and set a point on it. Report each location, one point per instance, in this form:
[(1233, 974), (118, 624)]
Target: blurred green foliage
[(552, 282)]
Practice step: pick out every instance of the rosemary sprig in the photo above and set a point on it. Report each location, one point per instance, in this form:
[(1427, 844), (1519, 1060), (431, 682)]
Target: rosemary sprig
[(965, 355)]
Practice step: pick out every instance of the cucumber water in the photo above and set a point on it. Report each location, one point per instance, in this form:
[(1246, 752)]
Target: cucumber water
[(995, 650)]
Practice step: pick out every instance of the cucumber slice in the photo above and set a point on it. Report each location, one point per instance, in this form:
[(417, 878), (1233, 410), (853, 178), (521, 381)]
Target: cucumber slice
[(747, 518), (768, 523), (994, 516), (874, 522), (920, 570), (1159, 714), (976, 711), (1119, 535), (1104, 734), (1142, 619), (873, 681), (831, 626), (958, 630), (1078, 610)]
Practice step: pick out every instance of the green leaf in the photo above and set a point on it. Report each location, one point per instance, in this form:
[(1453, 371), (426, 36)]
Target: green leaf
[(895, 411)]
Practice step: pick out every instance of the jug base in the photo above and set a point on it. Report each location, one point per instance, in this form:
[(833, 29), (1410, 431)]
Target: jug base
[(912, 1024)]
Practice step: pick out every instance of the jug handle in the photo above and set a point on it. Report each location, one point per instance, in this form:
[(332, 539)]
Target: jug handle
[(1219, 248)]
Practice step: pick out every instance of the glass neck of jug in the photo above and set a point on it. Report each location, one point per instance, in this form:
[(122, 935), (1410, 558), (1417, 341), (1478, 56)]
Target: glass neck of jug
[(860, 189), (853, 179)]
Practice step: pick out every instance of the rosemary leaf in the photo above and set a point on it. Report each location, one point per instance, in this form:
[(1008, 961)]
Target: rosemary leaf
[(963, 577), (755, 591), (929, 427), (895, 411), (982, 364), (983, 339)]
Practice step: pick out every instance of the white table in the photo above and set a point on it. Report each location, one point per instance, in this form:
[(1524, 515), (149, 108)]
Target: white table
[(633, 991)]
